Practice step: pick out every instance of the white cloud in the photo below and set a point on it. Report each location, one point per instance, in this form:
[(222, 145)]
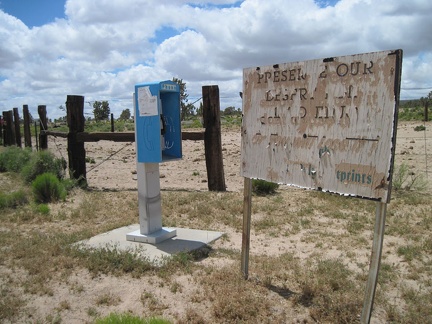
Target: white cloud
[(10, 49), (103, 47)]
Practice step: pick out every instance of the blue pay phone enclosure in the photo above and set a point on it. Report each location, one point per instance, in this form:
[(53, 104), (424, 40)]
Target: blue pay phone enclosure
[(157, 121)]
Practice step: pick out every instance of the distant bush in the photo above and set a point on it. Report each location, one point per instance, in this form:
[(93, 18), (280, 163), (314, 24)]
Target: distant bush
[(97, 126), (124, 125), (420, 128), (231, 120), (262, 187), (13, 159), (48, 188), (43, 162), (408, 113)]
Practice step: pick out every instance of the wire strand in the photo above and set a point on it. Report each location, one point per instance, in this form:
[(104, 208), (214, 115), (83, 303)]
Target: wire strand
[(109, 157), (55, 142)]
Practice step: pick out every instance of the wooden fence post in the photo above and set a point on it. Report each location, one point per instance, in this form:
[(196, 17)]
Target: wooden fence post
[(43, 138), (212, 138), (112, 123), (76, 151), (9, 130), (3, 128), (17, 127), (27, 133)]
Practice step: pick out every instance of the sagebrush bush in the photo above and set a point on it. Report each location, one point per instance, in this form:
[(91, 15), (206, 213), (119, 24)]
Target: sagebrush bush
[(420, 128), (404, 179), (48, 188), (127, 318), (262, 187), (13, 199), (43, 209), (43, 162), (13, 159)]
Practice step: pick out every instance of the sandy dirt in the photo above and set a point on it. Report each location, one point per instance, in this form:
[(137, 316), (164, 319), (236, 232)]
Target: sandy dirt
[(112, 166)]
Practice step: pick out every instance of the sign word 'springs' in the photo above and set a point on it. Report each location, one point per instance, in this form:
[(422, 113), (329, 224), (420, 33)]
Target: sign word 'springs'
[(327, 124)]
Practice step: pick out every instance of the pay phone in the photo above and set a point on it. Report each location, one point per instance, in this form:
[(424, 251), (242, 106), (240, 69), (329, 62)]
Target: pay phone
[(157, 139), (157, 121)]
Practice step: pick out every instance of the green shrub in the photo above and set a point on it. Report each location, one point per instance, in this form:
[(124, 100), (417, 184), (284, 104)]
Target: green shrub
[(69, 184), (98, 126), (13, 159), (13, 199), (262, 187), (404, 179), (400, 174), (420, 128), (127, 318), (43, 209), (411, 113), (48, 188), (90, 160), (124, 125), (43, 162)]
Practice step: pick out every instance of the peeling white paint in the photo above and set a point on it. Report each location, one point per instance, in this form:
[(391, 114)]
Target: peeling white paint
[(325, 124)]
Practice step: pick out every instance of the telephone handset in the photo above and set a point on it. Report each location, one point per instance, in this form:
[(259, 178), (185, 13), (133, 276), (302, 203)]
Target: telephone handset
[(163, 131), (163, 124)]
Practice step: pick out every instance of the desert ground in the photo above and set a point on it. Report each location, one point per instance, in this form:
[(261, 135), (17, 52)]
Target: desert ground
[(112, 171), (114, 164)]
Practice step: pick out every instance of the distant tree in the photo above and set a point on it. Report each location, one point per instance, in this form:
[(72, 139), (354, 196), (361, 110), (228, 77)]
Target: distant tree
[(199, 111), (101, 110), (190, 110), (425, 102), (230, 111), (185, 108), (125, 114), (63, 109)]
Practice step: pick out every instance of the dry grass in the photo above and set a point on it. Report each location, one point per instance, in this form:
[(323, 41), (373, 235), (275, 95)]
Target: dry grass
[(309, 259)]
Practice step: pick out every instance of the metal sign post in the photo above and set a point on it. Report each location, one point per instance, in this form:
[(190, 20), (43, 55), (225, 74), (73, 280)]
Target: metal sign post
[(247, 211), (380, 216)]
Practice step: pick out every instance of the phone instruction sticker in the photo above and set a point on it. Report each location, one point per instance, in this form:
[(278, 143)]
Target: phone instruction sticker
[(147, 103)]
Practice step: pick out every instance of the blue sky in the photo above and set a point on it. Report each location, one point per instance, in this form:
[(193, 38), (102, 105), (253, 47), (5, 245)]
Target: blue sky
[(100, 48), (34, 12)]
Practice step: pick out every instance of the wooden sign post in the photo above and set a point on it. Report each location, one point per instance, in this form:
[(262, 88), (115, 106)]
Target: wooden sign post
[(328, 125)]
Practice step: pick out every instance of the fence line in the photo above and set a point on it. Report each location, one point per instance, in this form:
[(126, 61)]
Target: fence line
[(76, 137), (10, 135)]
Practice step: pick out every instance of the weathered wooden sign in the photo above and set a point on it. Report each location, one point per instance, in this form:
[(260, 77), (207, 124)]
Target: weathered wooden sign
[(327, 124)]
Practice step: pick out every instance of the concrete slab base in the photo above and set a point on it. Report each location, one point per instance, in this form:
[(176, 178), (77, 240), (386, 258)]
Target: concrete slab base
[(153, 238), (186, 240)]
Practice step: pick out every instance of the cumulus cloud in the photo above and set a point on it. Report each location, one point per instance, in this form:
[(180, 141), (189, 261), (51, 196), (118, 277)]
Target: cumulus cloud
[(103, 47)]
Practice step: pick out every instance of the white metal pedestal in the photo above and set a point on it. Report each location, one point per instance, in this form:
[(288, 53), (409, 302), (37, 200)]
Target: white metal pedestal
[(150, 210)]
